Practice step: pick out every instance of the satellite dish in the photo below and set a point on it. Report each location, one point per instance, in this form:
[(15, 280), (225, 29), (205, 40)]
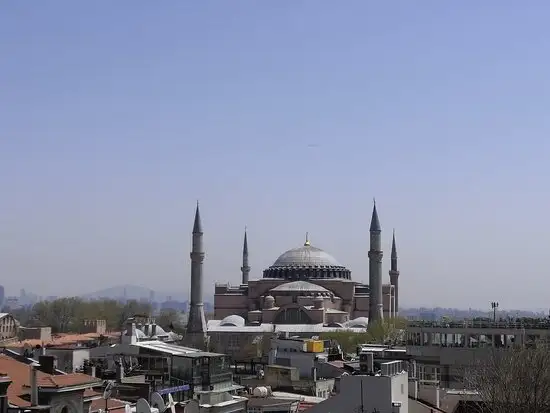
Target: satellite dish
[(158, 402), (108, 389), (127, 408), (192, 407), (171, 403), (142, 406)]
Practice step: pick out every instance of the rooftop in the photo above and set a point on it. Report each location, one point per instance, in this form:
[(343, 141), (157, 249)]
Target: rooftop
[(167, 348), (517, 323), (62, 340), (20, 374), (270, 401), (214, 326)]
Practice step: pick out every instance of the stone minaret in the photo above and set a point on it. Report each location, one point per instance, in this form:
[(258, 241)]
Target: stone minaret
[(394, 274), (376, 311), (245, 269), (196, 325)]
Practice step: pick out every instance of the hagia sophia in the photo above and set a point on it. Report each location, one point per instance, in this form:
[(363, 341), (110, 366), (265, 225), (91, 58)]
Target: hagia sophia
[(305, 286)]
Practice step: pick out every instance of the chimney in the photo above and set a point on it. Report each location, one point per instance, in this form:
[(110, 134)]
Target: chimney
[(314, 373), (153, 329), (34, 385), (119, 372), (47, 364), (437, 397), (93, 371), (370, 363)]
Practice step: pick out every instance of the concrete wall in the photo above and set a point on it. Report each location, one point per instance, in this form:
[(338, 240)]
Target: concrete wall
[(379, 392), (36, 333)]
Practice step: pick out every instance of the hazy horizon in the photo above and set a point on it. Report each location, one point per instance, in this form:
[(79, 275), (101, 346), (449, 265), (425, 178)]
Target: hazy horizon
[(285, 117)]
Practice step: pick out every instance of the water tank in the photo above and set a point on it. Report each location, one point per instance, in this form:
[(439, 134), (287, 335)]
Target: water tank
[(260, 392)]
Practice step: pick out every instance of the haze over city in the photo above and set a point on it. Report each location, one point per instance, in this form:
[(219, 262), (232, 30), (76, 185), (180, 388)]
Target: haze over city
[(285, 117)]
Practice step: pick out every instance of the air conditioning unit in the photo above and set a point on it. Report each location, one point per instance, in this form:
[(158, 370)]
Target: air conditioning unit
[(396, 407)]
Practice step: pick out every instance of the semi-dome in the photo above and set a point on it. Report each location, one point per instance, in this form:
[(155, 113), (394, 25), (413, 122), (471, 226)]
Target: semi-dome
[(299, 286), (359, 322), (307, 262), (233, 321)]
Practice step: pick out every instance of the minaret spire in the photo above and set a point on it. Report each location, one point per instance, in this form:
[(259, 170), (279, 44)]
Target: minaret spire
[(196, 325), (394, 274), (245, 269), (375, 222), (197, 225), (307, 243), (376, 310)]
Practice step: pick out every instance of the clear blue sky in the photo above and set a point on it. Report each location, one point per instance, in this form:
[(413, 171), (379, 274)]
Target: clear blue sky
[(287, 117)]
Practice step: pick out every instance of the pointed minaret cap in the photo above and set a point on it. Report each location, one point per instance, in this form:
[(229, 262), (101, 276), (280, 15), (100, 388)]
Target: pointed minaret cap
[(245, 243), (197, 226), (307, 243), (393, 247), (374, 222)]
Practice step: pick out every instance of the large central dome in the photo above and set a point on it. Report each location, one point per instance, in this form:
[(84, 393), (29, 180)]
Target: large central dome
[(307, 262), (306, 256)]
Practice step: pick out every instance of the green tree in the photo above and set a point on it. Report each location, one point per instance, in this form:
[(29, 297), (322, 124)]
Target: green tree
[(170, 319), (387, 331), (69, 313), (60, 314), (511, 380), (348, 340)]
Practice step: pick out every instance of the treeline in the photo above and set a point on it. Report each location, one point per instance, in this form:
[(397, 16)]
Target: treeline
[(388, 331), (69, 314)]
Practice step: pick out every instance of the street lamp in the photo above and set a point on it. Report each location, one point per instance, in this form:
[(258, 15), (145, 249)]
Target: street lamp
[(494, 306)]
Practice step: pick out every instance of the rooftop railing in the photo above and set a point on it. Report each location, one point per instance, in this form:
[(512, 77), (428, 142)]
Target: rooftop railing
[(529, 324)]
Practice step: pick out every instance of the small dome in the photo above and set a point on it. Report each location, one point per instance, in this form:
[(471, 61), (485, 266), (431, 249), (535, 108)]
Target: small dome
[(359, 322), (269, 302), (233, 321), (300, 286)]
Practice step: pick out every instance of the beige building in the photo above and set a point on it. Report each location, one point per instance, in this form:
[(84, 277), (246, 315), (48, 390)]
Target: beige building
[(8, 326), (443, 350)]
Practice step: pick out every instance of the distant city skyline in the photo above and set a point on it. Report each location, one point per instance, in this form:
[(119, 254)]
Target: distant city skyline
[(285, 117)]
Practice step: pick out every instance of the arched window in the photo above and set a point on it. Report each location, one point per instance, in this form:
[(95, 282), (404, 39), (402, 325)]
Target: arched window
[(292, 316), (65, 409)]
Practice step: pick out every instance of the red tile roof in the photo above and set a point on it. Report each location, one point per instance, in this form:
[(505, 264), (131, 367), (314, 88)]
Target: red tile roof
[(20, 374), (64, 339), (112, 404)]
